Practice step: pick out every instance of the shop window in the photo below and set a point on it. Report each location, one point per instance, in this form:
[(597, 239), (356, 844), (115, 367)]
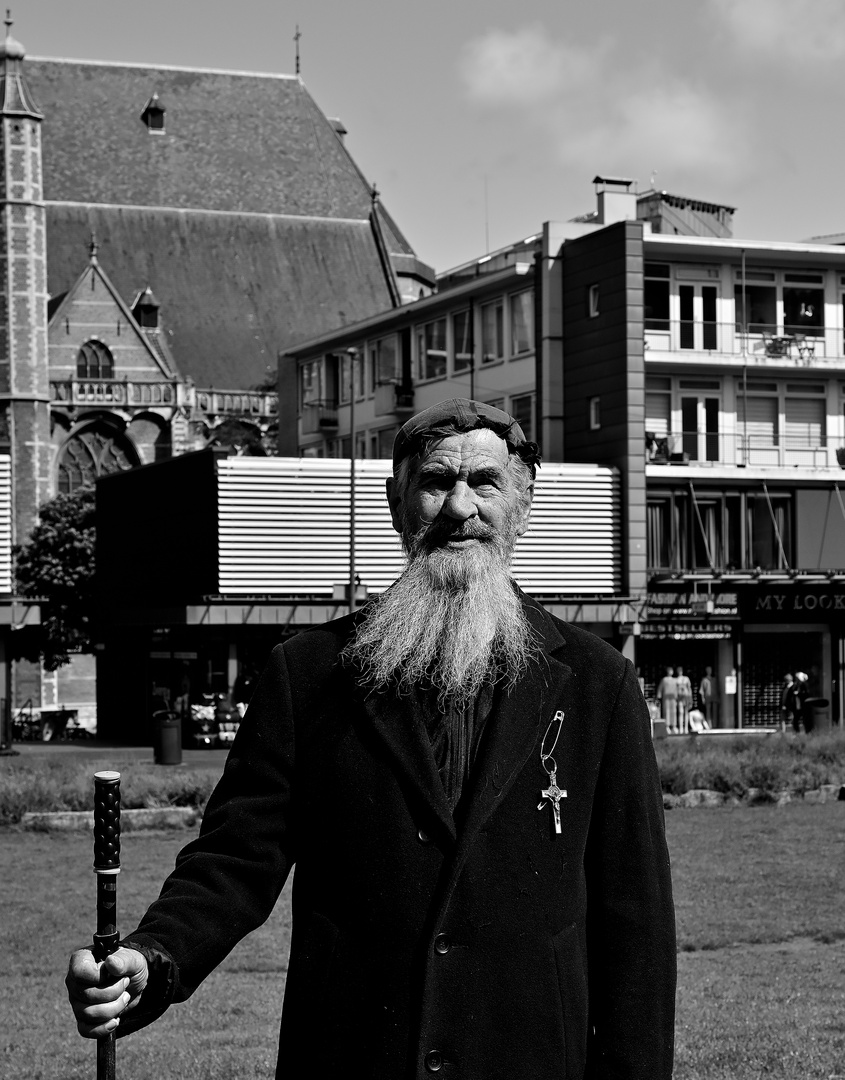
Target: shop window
[(492, 332), (431, 350), (522, 322), (94, 361)]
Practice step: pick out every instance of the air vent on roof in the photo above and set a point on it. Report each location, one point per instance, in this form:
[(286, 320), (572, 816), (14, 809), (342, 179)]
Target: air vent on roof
[(153, 115)]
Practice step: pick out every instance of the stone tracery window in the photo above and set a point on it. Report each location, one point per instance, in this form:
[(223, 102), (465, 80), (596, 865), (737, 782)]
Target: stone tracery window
[(94, 361), (94, 451)]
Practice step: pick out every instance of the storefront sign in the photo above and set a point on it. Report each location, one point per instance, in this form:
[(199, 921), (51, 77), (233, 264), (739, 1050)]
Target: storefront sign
[(686, 631), (686, 604), (792, 605)]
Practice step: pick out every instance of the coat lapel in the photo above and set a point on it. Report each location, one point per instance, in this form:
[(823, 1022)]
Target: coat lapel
[(404, 734)]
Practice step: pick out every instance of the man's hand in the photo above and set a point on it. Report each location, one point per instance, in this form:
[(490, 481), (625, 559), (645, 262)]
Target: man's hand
[(99, 993)]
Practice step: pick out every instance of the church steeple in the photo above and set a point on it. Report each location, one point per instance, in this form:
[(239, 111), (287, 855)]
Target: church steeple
[(24, 369), (15, 96)]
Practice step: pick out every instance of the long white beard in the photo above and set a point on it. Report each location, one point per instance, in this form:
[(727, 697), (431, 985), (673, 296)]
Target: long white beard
[(451, 623)]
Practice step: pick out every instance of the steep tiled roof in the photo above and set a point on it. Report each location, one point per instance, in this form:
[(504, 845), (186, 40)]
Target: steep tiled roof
[(235, 288), (231, 141)]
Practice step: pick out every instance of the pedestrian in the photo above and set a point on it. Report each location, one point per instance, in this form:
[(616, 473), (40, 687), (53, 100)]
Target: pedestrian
[(801, 720), (707, 696), (468, 788), (667, 696), (684, 699), (787, 702)]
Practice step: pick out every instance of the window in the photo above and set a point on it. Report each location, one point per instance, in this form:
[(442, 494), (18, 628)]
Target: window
[(595, 413), (656, 296), (804, 422), (758, 418), (593, 301), (384, 358), (700, 529), (94, 361), (385, 437), (492, 332), (311, 388), (522, 322), (91, 452), (462, 338), (431, 350), (793, 303), (522, 410)]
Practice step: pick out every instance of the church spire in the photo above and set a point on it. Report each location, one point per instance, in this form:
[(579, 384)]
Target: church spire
[(15, 96)]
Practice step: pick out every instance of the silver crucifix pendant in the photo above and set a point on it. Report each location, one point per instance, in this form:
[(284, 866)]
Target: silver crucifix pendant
[(553, 794)]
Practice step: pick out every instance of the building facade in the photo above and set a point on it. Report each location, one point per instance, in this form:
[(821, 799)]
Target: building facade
[(709, 371)]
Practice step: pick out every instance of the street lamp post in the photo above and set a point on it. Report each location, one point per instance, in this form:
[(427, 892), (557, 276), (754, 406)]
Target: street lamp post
[(352, 353)]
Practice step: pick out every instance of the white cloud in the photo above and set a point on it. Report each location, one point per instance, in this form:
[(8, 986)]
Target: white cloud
[(521, 68), (606, 112), (785, 30)]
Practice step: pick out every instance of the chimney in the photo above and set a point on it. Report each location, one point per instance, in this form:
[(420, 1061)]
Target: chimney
[(615, 199)]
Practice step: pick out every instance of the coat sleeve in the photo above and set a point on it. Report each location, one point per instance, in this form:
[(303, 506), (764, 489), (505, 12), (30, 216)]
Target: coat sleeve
[(226, 882), (630, 913)]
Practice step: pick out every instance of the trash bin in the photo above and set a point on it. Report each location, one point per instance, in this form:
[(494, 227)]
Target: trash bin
[(816, 714), (167, 738)]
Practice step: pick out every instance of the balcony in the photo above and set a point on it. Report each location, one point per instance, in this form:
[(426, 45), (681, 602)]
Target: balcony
[(769, 345), (113, 392), (707, 448), (319, 417), (393, 399), (127, 394)]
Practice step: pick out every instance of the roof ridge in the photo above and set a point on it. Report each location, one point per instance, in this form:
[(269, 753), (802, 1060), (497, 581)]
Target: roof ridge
[(198, 211), (162, 67)]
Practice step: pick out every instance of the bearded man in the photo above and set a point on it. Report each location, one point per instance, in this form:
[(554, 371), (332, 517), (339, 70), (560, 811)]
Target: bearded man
[(468, 789)]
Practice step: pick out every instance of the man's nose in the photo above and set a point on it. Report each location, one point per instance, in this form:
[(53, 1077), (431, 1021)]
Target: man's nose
[(459, 503)]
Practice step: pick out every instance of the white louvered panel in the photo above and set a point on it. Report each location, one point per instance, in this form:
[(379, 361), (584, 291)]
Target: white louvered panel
[(284, 528), (5, 523)]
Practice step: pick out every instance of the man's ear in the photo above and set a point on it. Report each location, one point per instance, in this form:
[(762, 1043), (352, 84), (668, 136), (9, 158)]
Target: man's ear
[(394, 501), (524, 509)]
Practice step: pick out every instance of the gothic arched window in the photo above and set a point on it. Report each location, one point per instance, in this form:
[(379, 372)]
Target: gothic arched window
[(91, 452), (94, 361)]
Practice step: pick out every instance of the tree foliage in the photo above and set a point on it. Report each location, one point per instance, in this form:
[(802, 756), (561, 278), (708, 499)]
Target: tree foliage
[(56, 565)]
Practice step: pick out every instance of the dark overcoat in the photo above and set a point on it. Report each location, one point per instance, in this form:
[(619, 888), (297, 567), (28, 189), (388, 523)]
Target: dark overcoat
[(496, 948)]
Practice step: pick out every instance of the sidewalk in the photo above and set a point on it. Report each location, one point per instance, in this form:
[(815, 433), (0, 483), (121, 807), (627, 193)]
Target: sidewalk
[(103, 755)]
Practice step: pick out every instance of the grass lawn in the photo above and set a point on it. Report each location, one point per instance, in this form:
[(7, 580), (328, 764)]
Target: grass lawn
[(760, 898)]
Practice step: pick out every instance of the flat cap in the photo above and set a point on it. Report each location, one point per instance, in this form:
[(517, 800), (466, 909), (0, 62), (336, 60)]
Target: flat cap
[(461, 414)]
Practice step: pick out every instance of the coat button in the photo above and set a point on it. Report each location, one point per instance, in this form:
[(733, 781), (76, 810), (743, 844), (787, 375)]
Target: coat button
[(434, 1061), (423, 836), (442, 944)]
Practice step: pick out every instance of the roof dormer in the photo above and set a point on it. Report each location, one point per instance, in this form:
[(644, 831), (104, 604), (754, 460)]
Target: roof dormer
[(153, 116), (145, 309)]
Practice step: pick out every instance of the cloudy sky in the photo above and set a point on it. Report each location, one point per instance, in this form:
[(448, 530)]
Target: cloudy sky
[(480, 119)]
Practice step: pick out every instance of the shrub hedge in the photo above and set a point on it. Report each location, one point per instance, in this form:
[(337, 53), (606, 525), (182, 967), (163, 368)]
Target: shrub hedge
[(728, 764)]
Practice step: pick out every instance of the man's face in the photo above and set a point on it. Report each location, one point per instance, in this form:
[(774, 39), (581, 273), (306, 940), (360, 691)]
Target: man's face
[(463, 493)]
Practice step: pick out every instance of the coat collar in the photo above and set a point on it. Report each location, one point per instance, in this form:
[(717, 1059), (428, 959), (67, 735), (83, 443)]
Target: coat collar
[(511, 734)]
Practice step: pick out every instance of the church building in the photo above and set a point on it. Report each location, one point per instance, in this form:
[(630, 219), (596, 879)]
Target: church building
[(166, 234)]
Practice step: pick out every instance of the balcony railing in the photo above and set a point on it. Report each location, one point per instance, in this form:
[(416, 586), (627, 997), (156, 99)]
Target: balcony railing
[(114, 392), (319, 416), (762, 344), (393, 398), (739, 448), (131, 394)]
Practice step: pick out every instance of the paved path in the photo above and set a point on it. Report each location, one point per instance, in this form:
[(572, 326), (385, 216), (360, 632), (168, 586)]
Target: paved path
[(97, 752)]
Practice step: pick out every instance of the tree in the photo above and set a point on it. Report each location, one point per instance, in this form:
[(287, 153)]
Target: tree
[(56, 565)]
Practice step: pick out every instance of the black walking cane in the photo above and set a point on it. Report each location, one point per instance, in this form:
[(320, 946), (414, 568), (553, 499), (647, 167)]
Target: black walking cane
[(106, 867)]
